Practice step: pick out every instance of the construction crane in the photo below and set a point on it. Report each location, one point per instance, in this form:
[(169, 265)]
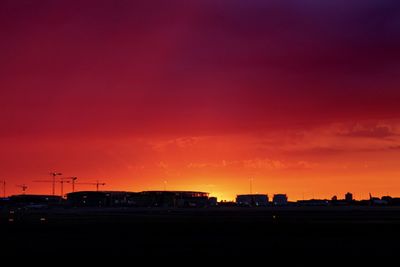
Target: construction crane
[(54, 174), (3, 183), (72, 179), (97, 184), (23, 187), (51, 181)]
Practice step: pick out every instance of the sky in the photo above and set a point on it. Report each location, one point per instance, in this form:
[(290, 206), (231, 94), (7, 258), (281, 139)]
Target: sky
[(296, 97)]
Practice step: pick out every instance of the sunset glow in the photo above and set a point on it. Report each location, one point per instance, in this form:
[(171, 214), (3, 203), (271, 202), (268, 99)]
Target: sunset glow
[(303, 99)]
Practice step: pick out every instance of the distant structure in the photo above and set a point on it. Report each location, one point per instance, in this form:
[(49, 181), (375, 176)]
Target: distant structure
[(348, 197), (172, 199), (225, 203), (176, 199), (280, 200), (99, 198), (212, 201), (393, 201), (35, 201), (376, 201), (252, 200), (140, 199), (313, 202)]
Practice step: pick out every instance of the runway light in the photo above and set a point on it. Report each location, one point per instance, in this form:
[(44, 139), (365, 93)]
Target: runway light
[(42, 219), (12, 212), (11, 220)]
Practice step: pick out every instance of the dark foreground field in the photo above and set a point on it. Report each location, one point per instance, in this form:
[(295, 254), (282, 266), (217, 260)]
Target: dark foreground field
[(303, 235)]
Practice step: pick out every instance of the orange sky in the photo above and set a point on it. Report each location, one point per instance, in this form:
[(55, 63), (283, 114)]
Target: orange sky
[(316, 163), (301, 98)]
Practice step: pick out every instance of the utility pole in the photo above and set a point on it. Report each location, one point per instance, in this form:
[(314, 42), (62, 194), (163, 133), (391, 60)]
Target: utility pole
[(54, 174)]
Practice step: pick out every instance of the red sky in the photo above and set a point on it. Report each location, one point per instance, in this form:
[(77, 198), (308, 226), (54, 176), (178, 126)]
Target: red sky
[(300, 96)]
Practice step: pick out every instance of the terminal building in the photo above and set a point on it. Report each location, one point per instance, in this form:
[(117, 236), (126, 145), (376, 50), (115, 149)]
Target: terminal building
[(35, 201), (140, 199), (252, 200), (172, 199), (99, 198)]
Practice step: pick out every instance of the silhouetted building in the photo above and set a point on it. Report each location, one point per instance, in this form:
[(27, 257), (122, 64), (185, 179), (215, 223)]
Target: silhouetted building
[(99, 198), (172, 199), (392, 201), (140, 199), (313, 202), (377, 201), (252, 200), (35, 201), (388, 199), (4, 202), (280, 200), (212, 201), (348, 197), (225, 203)]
